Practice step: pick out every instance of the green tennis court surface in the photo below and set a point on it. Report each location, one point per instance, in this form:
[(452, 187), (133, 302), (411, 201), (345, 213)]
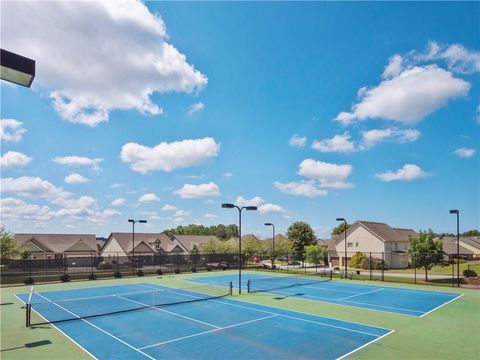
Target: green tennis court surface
[(450, 332)]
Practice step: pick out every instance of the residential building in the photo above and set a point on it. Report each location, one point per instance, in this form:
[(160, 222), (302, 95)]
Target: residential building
[(55, 246), (469, 247), (378, 239), (189, 241)]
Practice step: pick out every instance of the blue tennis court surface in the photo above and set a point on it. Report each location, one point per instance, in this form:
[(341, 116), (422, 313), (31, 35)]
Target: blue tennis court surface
[(396, 300), (212, 329)]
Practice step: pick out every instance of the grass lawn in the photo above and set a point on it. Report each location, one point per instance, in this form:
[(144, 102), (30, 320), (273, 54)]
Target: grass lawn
[(442, 269)]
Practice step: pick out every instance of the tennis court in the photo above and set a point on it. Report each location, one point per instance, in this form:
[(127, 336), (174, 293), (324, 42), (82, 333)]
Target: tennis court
[(151, 321), (389, 299)]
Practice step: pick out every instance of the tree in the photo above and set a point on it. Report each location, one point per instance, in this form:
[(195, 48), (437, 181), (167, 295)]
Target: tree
[(471, 233), (300, 234), (315, 254), (358, 261), (425, 251), (340, 229), (8, 244)]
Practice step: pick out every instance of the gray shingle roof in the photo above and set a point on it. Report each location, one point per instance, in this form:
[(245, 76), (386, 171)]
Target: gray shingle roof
[(189, 240), (124, 239), (469, 240), (383, 231), (58, 243)]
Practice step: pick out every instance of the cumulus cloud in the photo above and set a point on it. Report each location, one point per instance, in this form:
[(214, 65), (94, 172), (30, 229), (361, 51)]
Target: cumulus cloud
[(394, 66), (169, 156), (270, 208), (181, 213), (16, 210), (227, 176), (76, 179), (13, 159), (29, 186), (168, 207), (458, 58), (118, 202), (118, 186), (192, 109), (190, 191), (339, 143), (148, 198), (11, 130), (255, 201), (297, 141), (464, 152), (302, 188), (408, 97), (375, 136), (211, 216), (407, 173), (123, 55), (75, 160), (328, 175)]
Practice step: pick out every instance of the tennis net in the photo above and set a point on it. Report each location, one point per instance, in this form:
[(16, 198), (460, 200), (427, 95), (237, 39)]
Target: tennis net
[(281, 282), (54, 310)]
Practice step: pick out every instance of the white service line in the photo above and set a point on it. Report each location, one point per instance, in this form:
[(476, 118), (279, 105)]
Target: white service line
[(438, 307), (364, 345), (98, 328), (207, 332), (364, 293), (171, 312), (292, 317)]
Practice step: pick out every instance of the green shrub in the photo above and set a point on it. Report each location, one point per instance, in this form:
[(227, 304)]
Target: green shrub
[(117, 274), (177, 271), (159, 272), (194, 269), (469, 273), (65, 278), (357, 261), (92, 277), (209, 268), (375, 264), (139, 273), (28, 281)]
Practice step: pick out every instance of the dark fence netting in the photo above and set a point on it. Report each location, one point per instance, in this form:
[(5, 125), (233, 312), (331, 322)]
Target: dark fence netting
[(396, 266)]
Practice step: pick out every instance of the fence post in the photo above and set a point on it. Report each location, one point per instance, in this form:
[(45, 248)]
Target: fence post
[(415, 268), (383, 266), (453, 274), (370, 266)]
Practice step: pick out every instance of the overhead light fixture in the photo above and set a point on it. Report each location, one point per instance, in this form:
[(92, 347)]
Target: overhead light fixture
[(16, 69)]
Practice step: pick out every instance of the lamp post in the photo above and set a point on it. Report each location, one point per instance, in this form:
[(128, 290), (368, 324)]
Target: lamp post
[(133, 240), (273, 244), (345, 240), (457, 212), (231, 206)]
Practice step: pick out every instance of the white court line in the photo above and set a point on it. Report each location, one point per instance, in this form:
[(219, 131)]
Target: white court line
[(68, 337), (98, 328), (296, 318), (438, 307), (368, 292), (207, 332), (170, 312), (364, 345)]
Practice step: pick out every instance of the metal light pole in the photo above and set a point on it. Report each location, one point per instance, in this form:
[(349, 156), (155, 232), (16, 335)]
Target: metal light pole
[(231, 206), (345, 232), (457, 212), (133, 240), (273, 244)]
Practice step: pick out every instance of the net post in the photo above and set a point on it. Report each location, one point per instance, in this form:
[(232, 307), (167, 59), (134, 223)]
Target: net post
[(248, 286), (28, 308), (231, 288)]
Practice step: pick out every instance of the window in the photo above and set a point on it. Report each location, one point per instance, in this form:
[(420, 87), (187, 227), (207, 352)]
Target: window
[(356, 244), (157, 244), (350, 244), (396, 246)]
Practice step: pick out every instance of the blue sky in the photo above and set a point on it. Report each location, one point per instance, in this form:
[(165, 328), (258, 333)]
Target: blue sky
[(311, 111)]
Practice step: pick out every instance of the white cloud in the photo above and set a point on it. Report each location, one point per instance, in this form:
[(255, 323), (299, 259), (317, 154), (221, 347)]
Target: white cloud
[(190, 191), (209, 202), (13, 159), (394, 66), (211, 216), (477, 115), (408, 97), (76, 179), (327, 174), (255, 201), (407, 173), (339, 143), (11, 130), (270, 208), (147, 198), (297, 141), (75, 160), (464, 152), (118, 202), (116, 62), (16, 210), (181, 213), (458, 58), (118, 186), (227, 176), (199, 106), (168, 207), (375, 136), (29, 186), (169, 156), (303, 188)]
